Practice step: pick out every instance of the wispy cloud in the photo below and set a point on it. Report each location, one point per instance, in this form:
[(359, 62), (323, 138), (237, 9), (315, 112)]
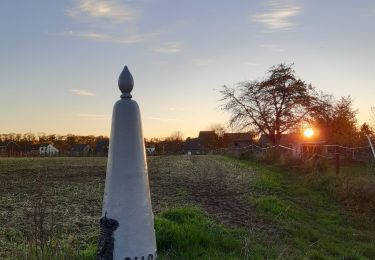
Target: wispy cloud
[(163, 119), (113, 10), (272, 47), (113, 21), (93, 116), (81, 92), (130, 39), (172, 47), (278, 15)]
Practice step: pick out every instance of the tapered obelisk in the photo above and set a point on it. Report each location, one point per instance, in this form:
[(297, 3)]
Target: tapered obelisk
[(127, 223)]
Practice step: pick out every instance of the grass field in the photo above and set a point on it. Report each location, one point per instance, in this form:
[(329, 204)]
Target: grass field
[(206, 207)]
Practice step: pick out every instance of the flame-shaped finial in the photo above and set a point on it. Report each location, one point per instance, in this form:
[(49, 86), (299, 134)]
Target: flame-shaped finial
[(126, 83)]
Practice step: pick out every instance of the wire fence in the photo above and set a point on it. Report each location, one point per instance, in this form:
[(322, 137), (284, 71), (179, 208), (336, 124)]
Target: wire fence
[(358, 154)]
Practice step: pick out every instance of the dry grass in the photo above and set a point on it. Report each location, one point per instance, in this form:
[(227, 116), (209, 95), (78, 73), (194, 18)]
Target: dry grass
[(45, 199)]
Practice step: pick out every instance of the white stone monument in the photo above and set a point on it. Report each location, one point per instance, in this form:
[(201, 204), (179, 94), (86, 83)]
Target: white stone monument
[(127, 223)]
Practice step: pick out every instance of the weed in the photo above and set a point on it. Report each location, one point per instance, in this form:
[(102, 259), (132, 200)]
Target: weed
[(43, 240)]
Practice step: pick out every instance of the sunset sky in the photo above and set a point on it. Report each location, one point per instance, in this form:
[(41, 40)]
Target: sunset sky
[(60, 60)]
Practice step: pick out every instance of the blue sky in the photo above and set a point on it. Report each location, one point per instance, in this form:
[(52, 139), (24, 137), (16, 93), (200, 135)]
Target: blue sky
[(60, 60)]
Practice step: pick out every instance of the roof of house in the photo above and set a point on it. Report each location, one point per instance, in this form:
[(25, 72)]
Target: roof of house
[(237, 136), (78, 147), (192, 144), (31, 147), (44, 144), (6, 143), (203, 134), (102, 145), (291, 138), (206, 136)]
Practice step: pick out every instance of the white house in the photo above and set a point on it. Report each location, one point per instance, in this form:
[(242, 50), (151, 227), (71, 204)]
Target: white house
[(48, 150), (150, 150)]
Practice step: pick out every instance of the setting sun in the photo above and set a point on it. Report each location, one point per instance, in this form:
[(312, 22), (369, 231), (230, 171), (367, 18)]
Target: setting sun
[(309, 132)]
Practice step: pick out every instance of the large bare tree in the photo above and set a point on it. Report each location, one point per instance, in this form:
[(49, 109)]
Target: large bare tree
[(272, 106)]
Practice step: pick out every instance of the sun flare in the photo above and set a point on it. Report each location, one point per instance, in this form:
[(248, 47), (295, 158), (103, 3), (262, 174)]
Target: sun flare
[(309, 132)]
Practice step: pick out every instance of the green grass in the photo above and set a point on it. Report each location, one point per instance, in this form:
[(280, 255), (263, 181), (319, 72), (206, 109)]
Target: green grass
[(189, 233), (314, 223), (186, 233)]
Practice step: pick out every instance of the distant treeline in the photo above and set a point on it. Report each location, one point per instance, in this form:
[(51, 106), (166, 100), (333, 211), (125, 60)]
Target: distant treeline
[(174, 144), (61, 142)]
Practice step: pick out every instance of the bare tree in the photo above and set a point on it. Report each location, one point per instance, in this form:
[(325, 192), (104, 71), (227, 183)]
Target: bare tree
[(272, 106), (29, 137), (42, 137), (176, 136), (218, 128)]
